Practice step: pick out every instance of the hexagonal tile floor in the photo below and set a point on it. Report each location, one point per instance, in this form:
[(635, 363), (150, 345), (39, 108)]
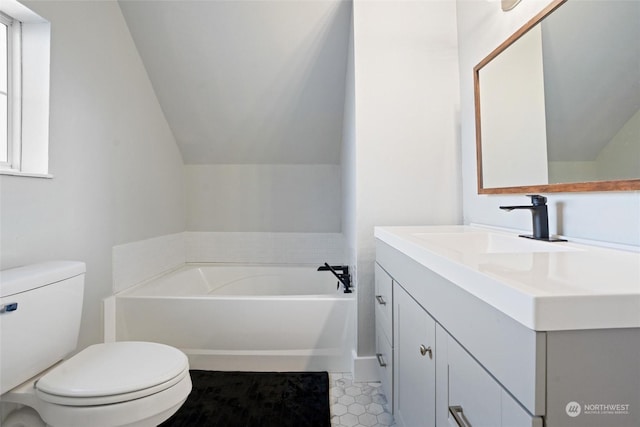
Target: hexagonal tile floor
[(357, 404)]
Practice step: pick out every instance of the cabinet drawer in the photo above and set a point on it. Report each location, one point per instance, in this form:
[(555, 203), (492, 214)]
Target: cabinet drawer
[(384, 354), (476, 398), (383, 301)]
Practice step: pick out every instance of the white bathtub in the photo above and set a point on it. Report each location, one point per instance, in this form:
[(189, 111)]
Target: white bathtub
[(253, 318)]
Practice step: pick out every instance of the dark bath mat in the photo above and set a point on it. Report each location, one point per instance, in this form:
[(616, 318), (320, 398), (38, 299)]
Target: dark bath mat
[(255, 399)]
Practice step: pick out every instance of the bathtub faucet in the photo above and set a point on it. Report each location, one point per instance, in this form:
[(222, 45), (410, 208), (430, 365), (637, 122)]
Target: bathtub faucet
[(344, 277)]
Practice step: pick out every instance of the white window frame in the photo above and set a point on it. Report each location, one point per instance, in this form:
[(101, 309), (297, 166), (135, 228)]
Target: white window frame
[(28, 91), (14, 89)]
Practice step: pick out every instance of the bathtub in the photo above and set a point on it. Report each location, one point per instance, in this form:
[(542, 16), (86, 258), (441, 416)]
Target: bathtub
[(248, 318)]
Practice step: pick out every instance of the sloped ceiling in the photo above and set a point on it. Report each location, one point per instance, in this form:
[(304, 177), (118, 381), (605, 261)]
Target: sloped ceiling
[(247, 82), (592, 75)]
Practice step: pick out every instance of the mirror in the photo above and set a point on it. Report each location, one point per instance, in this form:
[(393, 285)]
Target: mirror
[(558, 103)]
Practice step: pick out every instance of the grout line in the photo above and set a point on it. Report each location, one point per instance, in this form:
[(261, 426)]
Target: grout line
[(354, 404)]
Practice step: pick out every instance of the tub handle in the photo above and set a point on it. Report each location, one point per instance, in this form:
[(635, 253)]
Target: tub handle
[(381, 361), (381, 300)]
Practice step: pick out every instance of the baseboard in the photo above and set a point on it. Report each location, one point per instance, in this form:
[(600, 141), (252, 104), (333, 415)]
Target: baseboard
[(211, 360), (365, 368)]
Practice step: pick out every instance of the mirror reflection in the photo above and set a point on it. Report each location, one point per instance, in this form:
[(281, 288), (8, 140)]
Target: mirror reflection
[(561, 103)]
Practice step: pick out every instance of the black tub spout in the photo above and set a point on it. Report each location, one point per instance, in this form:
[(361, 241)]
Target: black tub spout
[(344, 277)]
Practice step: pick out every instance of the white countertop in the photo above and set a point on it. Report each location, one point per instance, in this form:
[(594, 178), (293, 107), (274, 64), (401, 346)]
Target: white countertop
[(544, 286)]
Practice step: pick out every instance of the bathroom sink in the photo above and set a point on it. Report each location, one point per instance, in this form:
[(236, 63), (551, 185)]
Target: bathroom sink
[(544, 286), (490, 243)]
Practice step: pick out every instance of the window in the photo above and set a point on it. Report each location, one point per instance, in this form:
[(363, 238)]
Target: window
[(24, 91), (9, 92), (4, 88)]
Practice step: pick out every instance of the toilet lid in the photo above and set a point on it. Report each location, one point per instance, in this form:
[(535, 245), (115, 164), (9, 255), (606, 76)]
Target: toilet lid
[(111, 370)]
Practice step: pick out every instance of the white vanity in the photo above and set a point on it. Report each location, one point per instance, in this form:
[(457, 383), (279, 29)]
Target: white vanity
[(476, 327)]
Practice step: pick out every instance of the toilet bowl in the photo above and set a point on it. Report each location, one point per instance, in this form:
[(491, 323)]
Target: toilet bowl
[(112, 384), (104, 385)]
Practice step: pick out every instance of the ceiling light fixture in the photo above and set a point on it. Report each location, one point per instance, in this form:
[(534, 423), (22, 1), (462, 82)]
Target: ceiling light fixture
[(507, 5)]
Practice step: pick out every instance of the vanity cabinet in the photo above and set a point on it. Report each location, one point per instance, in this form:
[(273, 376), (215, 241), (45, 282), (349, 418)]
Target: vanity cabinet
[(437, 382), (458, 361), (429, 375)]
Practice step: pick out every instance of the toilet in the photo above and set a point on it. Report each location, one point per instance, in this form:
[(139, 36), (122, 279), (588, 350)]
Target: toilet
[(104, 385)]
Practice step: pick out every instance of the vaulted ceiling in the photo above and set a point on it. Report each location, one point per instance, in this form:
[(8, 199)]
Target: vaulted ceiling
[(247, 82), (263, 81), (592, 75)]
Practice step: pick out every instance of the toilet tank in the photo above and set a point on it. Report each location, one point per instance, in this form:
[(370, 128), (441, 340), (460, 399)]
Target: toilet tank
[(40, 311)]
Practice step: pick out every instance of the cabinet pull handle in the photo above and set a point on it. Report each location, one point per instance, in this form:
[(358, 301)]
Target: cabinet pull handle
[(424, 350), (381, 300), (381, 361), (458, 415)]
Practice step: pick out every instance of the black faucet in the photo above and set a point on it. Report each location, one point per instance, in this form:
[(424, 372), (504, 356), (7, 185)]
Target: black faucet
[(540, 216), (344, 277)]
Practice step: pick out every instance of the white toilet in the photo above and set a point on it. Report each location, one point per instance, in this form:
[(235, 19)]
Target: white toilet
[(104, 385)]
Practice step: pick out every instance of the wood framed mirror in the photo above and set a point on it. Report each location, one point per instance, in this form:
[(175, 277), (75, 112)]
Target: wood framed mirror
[(558, 103)]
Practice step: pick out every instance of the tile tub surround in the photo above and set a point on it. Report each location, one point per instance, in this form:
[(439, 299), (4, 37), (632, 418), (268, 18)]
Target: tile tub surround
[(357, 404), (265, 248), (138, 261)]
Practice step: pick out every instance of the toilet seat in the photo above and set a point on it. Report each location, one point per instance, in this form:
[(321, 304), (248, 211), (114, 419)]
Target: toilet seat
[(112, 399), (147, 411), (112, 373)]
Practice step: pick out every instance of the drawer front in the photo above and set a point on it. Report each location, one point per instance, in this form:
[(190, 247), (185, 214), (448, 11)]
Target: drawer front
[(476, 399), (473, 394), (383, 301), (384, 354)]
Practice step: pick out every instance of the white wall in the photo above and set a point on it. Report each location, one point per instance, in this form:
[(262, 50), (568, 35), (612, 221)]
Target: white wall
[(348, 172), (259, 82), (263, 198), (611, 216), (620, 158), (572, 171), (512, 100), (348, 160), (405, 151), (118, 174)]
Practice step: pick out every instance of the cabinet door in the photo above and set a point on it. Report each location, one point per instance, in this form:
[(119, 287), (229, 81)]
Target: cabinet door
[(414, 362)]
